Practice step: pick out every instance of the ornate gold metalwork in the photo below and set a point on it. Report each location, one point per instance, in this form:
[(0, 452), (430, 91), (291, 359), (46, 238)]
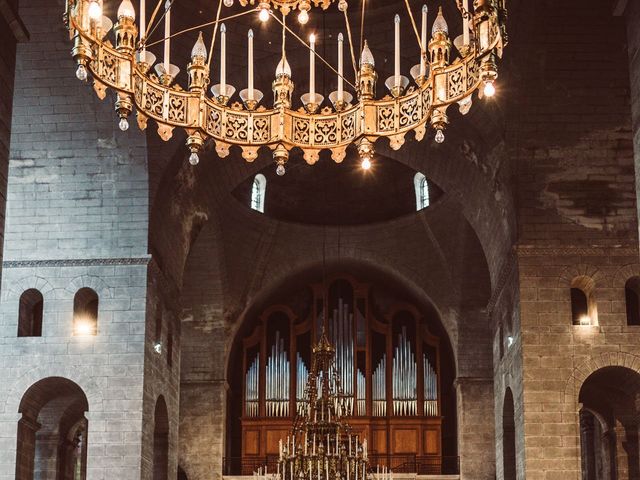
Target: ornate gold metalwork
[(286, 6), (281, 128)]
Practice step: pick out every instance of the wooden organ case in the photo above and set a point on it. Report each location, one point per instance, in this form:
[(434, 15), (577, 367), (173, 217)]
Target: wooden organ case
[(389, 369)]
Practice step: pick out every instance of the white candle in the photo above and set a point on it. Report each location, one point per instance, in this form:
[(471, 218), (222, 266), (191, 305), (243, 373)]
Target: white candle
[(167, 34), (397, 56), (340, 68), (223, 60), (312, 77), (423, 41), (465, 23), (250, 35), (143, 22)]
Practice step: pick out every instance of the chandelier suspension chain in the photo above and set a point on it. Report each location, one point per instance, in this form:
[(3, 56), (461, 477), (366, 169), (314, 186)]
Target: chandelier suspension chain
[(308, 47), (350, 37), (155, 13), (415, 27), (198, 27), (215, 34)]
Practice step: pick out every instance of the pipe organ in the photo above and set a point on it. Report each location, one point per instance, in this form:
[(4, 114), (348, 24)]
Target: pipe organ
[(387, 363)]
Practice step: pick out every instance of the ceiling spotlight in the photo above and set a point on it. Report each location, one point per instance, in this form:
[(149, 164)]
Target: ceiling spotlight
[(228, 3), (366, 163), (489, 89)]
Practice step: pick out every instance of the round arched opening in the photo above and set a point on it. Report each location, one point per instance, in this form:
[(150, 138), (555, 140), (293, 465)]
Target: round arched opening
[(609, 424), (407, 412), (52, 432), (161, 440), (508, 437)]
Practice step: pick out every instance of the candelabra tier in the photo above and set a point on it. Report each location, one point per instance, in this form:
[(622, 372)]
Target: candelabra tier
[(126, 68)]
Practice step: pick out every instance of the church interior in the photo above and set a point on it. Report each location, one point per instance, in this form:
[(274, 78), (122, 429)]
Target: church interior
[(319, 240)]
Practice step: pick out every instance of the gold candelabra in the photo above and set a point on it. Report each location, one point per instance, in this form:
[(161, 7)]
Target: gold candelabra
[(321, 445), (126, 66)]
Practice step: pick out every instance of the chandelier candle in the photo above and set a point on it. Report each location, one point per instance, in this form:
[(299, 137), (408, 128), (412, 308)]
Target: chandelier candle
[(340, 68), (312, 69), (423, 43), (143, 24), (465, 22), (167, 37), (223, 60), (250, 81), (396, 72)]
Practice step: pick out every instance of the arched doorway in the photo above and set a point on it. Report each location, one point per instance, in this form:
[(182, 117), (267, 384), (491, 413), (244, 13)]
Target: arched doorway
[(508, 437), (161, 441), (52, 433), (374, 325), (609, 422)]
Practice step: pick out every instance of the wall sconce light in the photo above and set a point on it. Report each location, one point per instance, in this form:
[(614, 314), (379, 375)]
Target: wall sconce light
[(157, 347), (585, 320), (510, 341), (84, 328)]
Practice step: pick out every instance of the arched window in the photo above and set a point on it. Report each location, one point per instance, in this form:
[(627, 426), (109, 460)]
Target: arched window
[(583, 305), (30, 314), (85, 312), (632, 299), (258, 191), (421, 186), (508, 437), (161, 441)]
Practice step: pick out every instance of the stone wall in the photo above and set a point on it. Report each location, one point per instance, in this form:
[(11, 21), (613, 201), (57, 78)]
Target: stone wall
[(77, 217)]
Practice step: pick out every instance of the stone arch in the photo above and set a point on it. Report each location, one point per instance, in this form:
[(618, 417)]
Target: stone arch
[(569, 274), (619, 277), (93, 282), (13, 290), (51, 409), (590, 366), (83, 378)]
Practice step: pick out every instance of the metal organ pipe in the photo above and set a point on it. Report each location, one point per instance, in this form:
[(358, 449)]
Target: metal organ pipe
[(380, 388), (341, 336), (251, 388), (301, 380), (404, 371), (277, 380), (430, 389)]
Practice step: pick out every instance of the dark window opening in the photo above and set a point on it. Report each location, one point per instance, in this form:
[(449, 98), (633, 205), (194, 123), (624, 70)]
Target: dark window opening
[(30, 314), (579, 306)]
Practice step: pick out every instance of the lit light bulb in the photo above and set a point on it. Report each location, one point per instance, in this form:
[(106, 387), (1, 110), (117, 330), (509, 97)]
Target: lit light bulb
[(194, 159), (95, 10), (228, 3), (280, 171), (157, 347), (303, 17), (489, 89), (263, 15), (81, 73), (440, 136), (366, 163), (124, 124)]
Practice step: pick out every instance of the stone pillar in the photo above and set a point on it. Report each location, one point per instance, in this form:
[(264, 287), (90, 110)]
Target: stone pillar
[(476, 429), (587, 445), (25, 458)]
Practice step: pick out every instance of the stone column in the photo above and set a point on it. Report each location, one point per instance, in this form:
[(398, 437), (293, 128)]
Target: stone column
[(476, 429), (587, 445)]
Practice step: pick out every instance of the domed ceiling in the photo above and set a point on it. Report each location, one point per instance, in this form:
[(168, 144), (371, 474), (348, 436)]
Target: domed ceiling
[(328, 193)]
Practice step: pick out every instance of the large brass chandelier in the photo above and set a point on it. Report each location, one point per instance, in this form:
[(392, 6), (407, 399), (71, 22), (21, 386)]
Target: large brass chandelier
[(117, 57), (321, 445)]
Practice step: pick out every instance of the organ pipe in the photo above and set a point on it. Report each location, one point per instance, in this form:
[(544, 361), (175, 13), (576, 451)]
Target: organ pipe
[(430, 389), (404, 376), (302, 372), (252, 379), (362, 398), (380, 388), (278, 374), (341, 336)]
